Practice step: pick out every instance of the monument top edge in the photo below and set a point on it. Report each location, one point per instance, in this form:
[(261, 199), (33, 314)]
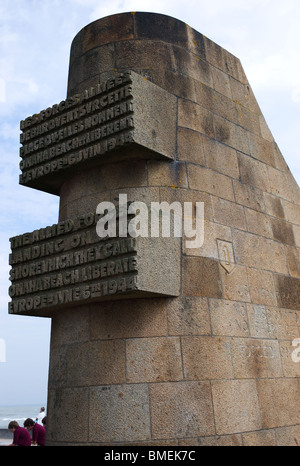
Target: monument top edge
[(116, 17), (137, 25)]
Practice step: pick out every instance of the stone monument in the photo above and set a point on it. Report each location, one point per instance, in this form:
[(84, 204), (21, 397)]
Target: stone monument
[(155, 341)]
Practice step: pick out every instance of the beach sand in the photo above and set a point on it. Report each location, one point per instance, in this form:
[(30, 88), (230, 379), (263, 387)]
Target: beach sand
[(6, 437), (5, 441)]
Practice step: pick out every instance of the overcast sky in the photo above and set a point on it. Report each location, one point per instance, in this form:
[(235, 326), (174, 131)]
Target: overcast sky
[(35, 39)]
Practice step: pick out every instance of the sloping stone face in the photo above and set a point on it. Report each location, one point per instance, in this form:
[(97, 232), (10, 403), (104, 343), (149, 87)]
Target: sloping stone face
[(214, 365)]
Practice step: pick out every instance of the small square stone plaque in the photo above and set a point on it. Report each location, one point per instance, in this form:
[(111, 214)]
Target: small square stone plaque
[(226, 255)]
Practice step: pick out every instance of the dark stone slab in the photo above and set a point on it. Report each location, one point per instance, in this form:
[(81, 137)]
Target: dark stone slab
[(125, 117), (288, 291)]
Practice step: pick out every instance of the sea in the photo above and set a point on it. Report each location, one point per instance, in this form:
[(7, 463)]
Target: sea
[(18, 413)]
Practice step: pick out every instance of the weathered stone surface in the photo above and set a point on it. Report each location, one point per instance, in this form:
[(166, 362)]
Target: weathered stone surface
[(236, 406), (120, 413), (221, 158), (261, 284), (256, 251), (288, 436), (254, 358), (190, 146), (279, 402), (253, 172), (288, 291), (215, 360), (293, 258), (171, 174), (229, 318), (68, 264), (216, 441), (232, 135), (95, 363), (235, 284), (188, 316), (67, 405), (229, 213), (272, 322), (208, 354), (261, 438), (201, 277), (289, 366), (182, 408), (195, 117), (204, 179), (154, 360), (94, 127), (139, 318), (249, 196)]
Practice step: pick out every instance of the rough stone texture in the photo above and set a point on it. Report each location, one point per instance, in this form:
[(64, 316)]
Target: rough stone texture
[(121, 413), (89, 269), (214, 365), (236, 406), (182, 409), (126, 112)]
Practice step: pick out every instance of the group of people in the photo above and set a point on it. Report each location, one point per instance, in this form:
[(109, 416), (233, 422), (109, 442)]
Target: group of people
[(22, 437)]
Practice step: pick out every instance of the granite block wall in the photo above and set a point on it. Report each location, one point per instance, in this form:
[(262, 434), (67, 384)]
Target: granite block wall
[(214, 365)]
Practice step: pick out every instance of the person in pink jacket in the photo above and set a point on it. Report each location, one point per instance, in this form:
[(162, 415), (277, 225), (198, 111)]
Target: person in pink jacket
[(38, 432), (21, 436)]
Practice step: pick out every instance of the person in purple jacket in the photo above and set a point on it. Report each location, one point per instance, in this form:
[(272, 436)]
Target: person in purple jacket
[(21, 436), (38, 432)]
